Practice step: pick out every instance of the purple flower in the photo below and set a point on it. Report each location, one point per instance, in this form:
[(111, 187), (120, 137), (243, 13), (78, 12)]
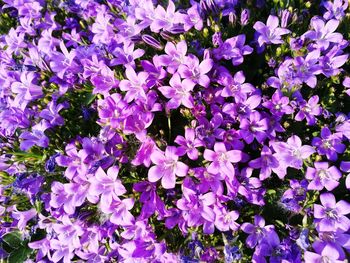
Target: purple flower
[(234, 49), (267, 163), (126, 55), (36, 137), (323, 34), (331, 215), (166, 20), (120, 214), (285, 17), (175, 56), (135, 86), (335, 9), (323, 176), (328, 254), (329, 144), (345, 166), (68, 196), (295, 195), (225, 220), (291, 154), (103, 80), (166, 167), (243, 107), (189, 143), (270, 33), (62, 63), (258, 232), (193, 18), (332, 61), (245, 14), (308, 67), (279, 104), (309, 110), (196, 72), (25, 89), (197, 209), (102, 29), (51, 113), (179, 92), (221, 159), (106, 185), (23, 217), (61, 250), (235, 86), (254, 127)]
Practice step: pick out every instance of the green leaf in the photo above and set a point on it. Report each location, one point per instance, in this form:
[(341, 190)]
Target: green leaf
[(13, 239), (89, 98), (19, 255)]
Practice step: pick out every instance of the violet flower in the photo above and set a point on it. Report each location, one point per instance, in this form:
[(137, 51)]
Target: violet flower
[(23, 217), (221, 159), (270, 33), (175, 56), (345, 167), (234, 49), (323, 34), (193, 18), (291, 154), (196, 72), (135, 86), (309, 110), (179, 92), (254, 127), (329, 144), (331, 215), (166, 167), (235, 86), (258, 232), (323, 176), (107, 186), (189, 143), (335, 9), (267, 163)]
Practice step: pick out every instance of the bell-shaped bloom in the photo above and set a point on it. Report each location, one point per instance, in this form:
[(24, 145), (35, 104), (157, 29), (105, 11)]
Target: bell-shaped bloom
[(267, 163), (291, 154), (135, 86), (309, 110), (23, 217), (323, 34), (195, 71), (189, 143), (167, 166), (222, 160), (331, 215), (270, 33), (329, 144), (323, 176), (107, 185), (254, 127), (179, 92)]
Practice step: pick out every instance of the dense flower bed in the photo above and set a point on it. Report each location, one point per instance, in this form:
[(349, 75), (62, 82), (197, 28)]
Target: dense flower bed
[(185, 131)]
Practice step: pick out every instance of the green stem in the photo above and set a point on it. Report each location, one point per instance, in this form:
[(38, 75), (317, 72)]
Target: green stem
[(169, 126)]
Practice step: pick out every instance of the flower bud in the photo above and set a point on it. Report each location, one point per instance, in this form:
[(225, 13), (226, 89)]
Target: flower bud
[(245, 14)]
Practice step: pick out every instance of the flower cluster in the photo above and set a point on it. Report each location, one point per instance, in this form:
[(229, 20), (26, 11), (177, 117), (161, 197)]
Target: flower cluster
[(174, 131)]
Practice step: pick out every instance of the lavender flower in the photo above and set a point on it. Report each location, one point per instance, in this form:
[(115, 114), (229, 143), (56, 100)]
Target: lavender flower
[(166, 167), (322, 176), (270, 33), (331, 215)]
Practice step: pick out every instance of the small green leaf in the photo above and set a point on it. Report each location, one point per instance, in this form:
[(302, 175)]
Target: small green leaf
[(19, 255), (89, 98), (13, 239)]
